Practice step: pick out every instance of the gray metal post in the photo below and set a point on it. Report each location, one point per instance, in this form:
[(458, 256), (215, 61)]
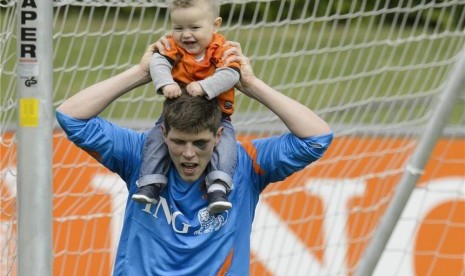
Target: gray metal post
[(455, 84), (35, 126)]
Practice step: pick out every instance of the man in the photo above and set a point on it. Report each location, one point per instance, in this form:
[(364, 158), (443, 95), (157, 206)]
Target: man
[(178, 236)]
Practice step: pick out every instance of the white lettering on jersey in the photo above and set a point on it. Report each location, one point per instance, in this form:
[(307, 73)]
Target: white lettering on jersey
[(170, 217)]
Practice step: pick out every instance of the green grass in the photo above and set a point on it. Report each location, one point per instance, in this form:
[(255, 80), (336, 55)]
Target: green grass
[(349, 72)]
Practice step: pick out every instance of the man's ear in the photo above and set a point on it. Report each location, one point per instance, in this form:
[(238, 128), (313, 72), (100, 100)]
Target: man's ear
[(217, 24), (163, 130), (218, 134)]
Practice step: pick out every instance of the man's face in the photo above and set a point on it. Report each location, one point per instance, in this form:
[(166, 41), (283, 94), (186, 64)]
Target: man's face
[(191, 152)]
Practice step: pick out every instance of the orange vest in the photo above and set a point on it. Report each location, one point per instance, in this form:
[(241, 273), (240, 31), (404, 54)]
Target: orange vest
[(186, 69)]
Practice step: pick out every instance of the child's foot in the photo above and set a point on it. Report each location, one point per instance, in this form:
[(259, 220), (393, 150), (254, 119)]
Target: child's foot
[(147, 194), (218, 202)]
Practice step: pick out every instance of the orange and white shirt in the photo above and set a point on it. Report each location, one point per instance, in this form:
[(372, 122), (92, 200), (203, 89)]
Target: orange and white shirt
[(179, 66)]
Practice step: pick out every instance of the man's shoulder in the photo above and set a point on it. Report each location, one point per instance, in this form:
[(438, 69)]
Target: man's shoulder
[(246, 153), (272, 149)]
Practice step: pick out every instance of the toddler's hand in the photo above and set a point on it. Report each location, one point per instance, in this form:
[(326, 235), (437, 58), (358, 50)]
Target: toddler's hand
[(194, 89), (171, 91)]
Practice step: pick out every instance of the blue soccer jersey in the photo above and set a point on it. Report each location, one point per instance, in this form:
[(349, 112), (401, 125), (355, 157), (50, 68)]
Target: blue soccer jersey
[(178, 236)]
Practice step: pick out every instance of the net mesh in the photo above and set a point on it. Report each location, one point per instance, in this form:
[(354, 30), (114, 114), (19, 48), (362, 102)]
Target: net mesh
[(374, 70)]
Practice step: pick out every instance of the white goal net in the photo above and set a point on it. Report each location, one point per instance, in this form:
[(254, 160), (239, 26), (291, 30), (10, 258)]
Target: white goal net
[(375, 70)]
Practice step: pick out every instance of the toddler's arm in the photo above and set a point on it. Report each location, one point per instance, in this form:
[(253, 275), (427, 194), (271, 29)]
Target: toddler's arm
[(160, 70), (223, 79)]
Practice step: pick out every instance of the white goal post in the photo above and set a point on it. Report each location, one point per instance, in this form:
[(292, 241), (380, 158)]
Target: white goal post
[(386, 75)]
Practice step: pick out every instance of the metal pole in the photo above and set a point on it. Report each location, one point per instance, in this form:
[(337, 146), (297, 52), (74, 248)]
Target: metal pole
[(455, 84), (35, 126)]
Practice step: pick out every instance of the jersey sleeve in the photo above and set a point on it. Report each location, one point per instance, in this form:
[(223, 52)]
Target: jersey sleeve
[(275, 158), (116, 148)]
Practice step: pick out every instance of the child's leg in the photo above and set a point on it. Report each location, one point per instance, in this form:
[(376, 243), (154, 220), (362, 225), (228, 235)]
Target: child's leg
[(154, 167), (221, 170)]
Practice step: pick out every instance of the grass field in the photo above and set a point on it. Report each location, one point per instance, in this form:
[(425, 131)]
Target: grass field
[(337, 67)]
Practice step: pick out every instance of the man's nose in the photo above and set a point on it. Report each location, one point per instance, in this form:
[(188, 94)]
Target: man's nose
[(189, 151)]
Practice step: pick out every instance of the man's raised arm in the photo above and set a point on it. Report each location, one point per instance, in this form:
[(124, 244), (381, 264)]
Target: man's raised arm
[(93, 100), (300, 120)]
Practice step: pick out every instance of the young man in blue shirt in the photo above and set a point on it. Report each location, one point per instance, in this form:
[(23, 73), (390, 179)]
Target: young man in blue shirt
[(178, 235)]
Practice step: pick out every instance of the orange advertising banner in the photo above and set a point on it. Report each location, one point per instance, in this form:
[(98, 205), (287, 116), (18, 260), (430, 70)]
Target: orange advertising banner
[(88, 204)]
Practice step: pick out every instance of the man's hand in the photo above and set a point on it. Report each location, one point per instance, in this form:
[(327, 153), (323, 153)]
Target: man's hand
[(195, 90), (247, 74), (171, 91), (161, 45), (145, 61)]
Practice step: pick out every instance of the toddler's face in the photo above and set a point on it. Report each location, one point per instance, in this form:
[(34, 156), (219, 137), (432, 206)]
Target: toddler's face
[(193, 28)]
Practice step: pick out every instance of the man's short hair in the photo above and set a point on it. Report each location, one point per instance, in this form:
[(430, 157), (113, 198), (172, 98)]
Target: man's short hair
[(191, 114), (212, 5)]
